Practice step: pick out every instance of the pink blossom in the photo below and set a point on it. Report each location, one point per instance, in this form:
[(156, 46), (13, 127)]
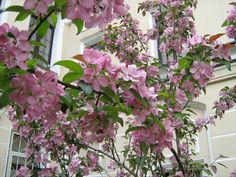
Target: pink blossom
[(154, 136), (23, 172), (14, 51), (41, 6), (37, 94), (231, 31), (30, 4), (233, 174), (131, 73), (202, 72), (74, 165), (180, 96), (90, 11), (179, 174), (97, 64), (232, 15), (196, 40)]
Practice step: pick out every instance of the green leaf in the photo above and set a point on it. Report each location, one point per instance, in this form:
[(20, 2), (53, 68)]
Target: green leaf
[(130, 129), (139, 97), (87, 89), (4, 99), (105, 99), (60, 3), (66, 99), (17, 71), (79, 24), (190, 110), (109, 92), (54, 19), (81, 113), (73, 92), (71, 65), (36, 43), (4, 80), (227, 64), (39, 57), (71, 77), (32, 63), (164, 94), (122, 107), (186, 77), (178, 115), (160, 124), (16, 8), (43, 29), (185, 62), (22, 16), (225, 23), (110, 110), (118, 119)]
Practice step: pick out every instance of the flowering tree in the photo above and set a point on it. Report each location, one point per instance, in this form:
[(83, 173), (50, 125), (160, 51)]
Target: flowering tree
[(61, 119)]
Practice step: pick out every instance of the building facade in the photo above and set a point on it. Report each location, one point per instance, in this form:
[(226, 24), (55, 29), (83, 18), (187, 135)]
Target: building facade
[(62, 43)]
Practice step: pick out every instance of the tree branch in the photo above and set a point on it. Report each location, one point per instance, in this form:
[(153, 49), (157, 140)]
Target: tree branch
[(40, 23), (109, 156), (178, 160)]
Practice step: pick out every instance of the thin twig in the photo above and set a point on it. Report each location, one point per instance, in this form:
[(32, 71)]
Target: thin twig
[(40, 23), (113, 144), (109, 156), (178, 160)]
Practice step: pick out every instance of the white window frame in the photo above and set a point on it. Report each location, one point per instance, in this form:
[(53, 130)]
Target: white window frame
[(3, 16), (91, 40), (57, 45), (12, 153)]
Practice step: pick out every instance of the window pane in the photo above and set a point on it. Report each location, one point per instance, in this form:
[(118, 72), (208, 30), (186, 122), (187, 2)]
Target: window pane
[(47, 41), (97, 46), (23, 144), (13, 166), (21, 162), (16, 143)]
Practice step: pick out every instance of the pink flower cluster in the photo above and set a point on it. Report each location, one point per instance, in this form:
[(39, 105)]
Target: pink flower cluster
[(127, 41), (202, 72), (37, 95), (14, 47), (233, 174), (95, 12), (95, 127), (231, 19), (172, 32), (23, 172), (132, 73), (154, 137), (98, 70), (40, 6), (46, 172), (226, 101), (191, 88), (84, 164), (201, 122)]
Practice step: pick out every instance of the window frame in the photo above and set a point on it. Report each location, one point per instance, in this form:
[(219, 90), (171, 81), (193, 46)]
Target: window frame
[(91, 40), (12, 153), (52, 37)]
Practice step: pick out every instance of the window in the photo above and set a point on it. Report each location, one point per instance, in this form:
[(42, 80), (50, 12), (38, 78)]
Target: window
[(94, 41), (163, 57), (47, 41), (1, 7), (97, 46), (16, 157)]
